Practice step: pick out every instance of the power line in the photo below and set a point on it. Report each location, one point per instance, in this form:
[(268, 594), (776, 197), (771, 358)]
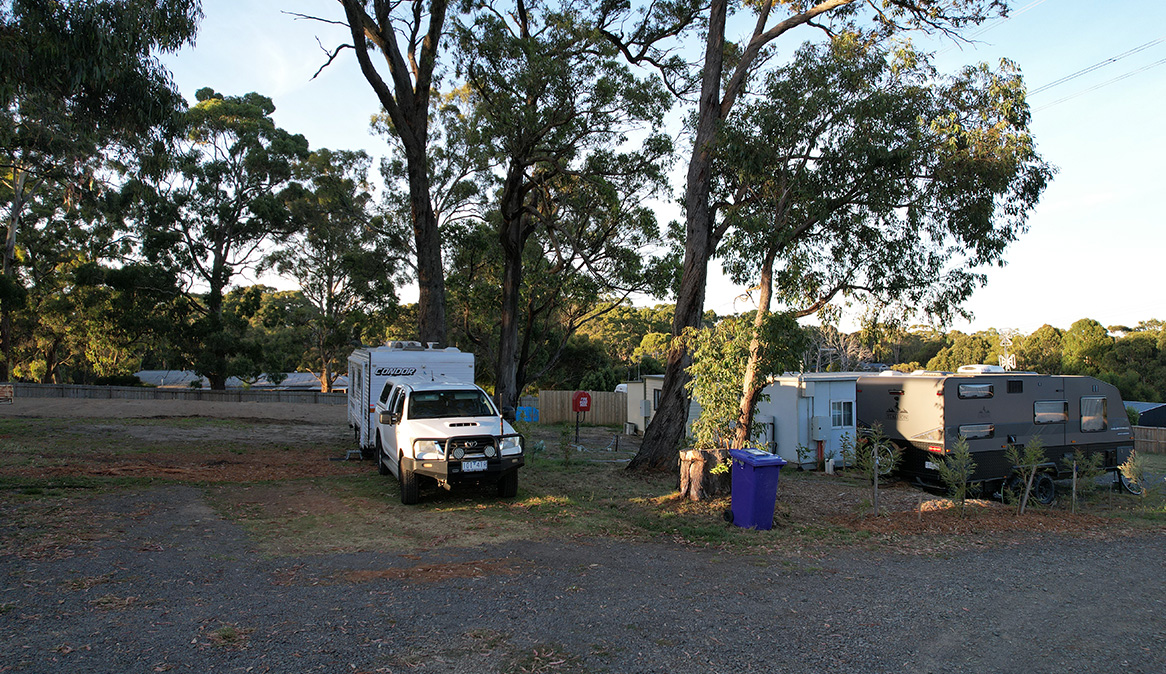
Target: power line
[(1022, 10), (984, 29), (1105, 83), (1095, 66)]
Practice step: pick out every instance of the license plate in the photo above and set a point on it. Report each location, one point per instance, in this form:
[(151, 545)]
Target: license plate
[(473, 466), (930, 466)]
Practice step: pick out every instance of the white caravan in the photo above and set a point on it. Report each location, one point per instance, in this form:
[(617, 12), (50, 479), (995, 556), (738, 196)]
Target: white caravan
[(419, 413)]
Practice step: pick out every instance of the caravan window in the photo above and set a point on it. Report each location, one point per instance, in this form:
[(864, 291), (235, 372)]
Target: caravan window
[(385, 392), (975, 390), (842, 413), (1093, 415), (976, 431), (1050, 411)]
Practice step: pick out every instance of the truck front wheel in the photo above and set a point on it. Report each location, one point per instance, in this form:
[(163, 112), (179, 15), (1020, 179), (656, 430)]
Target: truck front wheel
[(508, 485), (407, 480)]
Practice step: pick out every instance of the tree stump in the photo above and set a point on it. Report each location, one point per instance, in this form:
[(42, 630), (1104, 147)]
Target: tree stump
[(697, 482)]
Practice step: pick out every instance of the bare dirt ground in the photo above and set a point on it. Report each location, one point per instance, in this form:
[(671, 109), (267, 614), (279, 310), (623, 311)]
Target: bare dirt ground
[(89, 408), (168, 570)]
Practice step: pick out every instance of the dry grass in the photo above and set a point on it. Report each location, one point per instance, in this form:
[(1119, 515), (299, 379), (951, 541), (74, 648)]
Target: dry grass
[(295, 499)]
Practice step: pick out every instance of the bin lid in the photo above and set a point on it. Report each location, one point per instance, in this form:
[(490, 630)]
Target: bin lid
[(757, 457)]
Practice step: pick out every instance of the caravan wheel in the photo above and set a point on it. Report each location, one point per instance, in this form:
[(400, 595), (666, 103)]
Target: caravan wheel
[(1044, 490), (1128, 484)]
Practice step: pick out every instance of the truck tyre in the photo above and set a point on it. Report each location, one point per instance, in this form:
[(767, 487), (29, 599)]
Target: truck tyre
[(1044, 490), (382, 458), (407, 480), (508, 485)]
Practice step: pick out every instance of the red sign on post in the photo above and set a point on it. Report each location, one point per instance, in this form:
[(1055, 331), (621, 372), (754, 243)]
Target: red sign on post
[(581, 401)]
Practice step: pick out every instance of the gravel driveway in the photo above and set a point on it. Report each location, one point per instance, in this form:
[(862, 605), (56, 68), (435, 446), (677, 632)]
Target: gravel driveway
[(176, 587)]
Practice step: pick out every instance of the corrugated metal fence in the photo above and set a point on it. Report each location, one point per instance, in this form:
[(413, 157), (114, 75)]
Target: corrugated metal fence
[(145, 393), (1150, 439), (606, 408)]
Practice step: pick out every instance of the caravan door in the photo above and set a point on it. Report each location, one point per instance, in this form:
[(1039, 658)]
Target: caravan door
[(1050, 411)]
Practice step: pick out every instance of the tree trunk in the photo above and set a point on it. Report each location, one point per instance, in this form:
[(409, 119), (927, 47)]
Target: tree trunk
[(663, 436), (407, 103), (326, 378), (19, 179), (697, 481), (751, 387), (217, 374), (427, 239), (506, 387)]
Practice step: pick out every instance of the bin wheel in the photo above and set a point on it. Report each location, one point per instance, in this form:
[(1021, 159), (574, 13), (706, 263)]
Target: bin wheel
[(728, 515)]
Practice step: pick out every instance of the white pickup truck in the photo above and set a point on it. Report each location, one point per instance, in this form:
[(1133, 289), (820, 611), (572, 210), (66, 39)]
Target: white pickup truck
[(447, 432)]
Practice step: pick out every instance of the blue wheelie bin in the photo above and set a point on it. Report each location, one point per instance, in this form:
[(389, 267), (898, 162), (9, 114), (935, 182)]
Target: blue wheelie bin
[(755, 475)]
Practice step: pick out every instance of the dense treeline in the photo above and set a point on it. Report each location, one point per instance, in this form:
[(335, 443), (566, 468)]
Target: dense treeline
[(524, 147)]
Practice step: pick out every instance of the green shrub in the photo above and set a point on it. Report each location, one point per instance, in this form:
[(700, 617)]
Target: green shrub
[(955, 469)]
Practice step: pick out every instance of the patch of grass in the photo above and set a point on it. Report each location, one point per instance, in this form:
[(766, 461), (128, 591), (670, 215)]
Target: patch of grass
[(543, 659), (229, 635), (363, 512), (88, 582), (110, 602)]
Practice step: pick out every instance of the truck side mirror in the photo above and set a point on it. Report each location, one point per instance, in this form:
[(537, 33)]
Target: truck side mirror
[(388, 418), (508, 413)]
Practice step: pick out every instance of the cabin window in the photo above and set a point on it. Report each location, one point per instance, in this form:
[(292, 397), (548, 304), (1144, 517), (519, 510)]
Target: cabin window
[(841, 413), (975, 390), (1015, 386), (977, 431), (656, 399), (1093, 415), (1050, 411), (398, 405)]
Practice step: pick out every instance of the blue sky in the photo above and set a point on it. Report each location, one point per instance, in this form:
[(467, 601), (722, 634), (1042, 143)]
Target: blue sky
[(1097, 242)]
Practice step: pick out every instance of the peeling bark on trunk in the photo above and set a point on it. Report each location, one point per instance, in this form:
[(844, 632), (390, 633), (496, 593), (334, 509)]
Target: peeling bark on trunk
[(751, 386)]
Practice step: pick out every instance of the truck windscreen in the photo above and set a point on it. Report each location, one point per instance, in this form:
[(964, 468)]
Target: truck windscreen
[(442, 404)]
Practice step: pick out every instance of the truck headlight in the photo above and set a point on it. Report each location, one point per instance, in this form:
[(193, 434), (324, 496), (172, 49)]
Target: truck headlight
[(510, 445), (428, 449)]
